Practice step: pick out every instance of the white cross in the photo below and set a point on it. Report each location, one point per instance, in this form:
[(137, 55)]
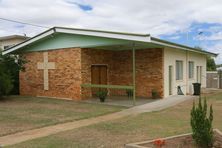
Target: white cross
[(46, 66)]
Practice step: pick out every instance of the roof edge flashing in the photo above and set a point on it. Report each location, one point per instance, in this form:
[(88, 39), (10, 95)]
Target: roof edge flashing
[(113, 35), (29, 41)]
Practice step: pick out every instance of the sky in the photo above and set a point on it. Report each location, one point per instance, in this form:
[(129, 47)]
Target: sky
[(190, 22)]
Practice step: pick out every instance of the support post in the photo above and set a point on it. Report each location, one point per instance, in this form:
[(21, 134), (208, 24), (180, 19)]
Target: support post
[(134, 77)]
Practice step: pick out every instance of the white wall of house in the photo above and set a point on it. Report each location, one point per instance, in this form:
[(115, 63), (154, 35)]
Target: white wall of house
[(170, 57), (10, 42)]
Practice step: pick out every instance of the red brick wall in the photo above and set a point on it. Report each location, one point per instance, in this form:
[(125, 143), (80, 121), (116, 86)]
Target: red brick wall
[(64, 81), (149, 70), (149, 67), (73, 68), (90, 57)]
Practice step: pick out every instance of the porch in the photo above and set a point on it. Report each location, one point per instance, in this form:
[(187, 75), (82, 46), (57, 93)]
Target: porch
[(120, 70)]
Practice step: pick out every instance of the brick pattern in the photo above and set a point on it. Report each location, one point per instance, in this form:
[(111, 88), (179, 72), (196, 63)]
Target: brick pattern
[(91, 57), (64, 81), (149, 69), (73, 68)]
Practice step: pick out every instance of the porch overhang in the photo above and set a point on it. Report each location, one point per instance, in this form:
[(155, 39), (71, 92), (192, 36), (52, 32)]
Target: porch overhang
[(132, 87)]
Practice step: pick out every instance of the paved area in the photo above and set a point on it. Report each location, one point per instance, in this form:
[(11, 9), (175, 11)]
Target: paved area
[(45, 131), (121, 101)]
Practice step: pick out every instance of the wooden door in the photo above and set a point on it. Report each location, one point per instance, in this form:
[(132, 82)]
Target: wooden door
[(98, 76)]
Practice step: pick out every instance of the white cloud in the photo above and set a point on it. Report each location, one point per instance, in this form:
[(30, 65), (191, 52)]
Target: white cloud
[(154, 16), (212, 37), (216, 48), (175, 37), (158, 17)]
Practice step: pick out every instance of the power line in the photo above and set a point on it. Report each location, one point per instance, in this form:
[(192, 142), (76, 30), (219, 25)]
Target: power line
[(15, 21)]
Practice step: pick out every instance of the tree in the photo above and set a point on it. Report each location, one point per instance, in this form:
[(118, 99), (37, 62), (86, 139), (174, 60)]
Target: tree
[(211, 65), (202, 124), (10, 65), (6, 83)]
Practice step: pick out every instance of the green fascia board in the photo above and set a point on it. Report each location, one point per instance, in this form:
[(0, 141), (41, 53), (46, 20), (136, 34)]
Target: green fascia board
[(62, 40), (107, 86)]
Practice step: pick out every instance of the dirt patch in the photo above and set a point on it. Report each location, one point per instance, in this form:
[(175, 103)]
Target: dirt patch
[(18, 113), (210, 91), (185, 141)]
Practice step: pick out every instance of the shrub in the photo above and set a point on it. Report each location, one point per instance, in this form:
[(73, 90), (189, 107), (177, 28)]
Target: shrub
[(129, 93), (10, 65), (6, 83), (202, 125), (154, 94), (102, 94)]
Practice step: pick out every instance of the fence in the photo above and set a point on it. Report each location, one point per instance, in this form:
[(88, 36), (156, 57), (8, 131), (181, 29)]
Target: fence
[(214, 79)]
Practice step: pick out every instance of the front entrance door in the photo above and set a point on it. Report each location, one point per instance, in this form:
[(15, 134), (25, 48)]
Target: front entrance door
[(98, 76), (170, 79)]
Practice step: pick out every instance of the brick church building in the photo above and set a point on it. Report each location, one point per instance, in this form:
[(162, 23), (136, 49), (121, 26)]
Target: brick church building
[(69, 63)]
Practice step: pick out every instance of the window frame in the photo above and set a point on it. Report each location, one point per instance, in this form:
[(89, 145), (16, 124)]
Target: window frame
[(191, 75), (179, 74)]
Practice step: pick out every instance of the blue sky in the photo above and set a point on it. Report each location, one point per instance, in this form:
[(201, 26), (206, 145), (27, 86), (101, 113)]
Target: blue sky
[(84, 7), (174, 20), (196, 36), (207, 36)]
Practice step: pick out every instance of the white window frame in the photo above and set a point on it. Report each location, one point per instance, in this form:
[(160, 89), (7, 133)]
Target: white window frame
[(179, 72), (191, 69)]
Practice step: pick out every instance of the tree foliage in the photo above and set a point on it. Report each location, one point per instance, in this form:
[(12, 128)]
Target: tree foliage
[(202, 125), (211, 65), (6, 83), (10, 65)]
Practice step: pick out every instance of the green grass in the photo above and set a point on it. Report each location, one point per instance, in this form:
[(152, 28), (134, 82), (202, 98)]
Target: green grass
[(23, 113), (168, 122)]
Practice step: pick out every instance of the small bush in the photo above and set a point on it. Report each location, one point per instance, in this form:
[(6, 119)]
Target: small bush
[(154, 94), (102, 94), (202, 125), (129, 93), (6, 84), (10, 65)]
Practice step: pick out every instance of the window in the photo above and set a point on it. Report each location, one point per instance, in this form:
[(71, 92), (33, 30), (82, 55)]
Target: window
[(191, 69), (179, 70), (199, 74)]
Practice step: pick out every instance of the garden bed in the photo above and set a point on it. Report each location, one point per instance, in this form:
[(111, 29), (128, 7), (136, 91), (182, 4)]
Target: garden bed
[(179, 141)]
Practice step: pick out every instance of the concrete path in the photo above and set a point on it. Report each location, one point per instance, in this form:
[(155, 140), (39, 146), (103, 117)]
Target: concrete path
[(45, 131)]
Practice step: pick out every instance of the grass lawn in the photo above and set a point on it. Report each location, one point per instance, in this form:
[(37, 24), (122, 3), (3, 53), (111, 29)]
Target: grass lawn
[(172, 121), (23, 113)]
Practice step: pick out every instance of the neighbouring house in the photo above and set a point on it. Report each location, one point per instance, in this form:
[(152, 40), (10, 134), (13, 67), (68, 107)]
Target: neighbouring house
[(9, 41), (72, 63)]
